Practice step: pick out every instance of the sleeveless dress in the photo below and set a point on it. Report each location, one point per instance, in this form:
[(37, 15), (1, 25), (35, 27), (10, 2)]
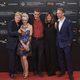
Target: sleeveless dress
[(25, 39)]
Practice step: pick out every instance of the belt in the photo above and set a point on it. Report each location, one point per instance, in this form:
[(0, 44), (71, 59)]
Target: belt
[(38, 38)]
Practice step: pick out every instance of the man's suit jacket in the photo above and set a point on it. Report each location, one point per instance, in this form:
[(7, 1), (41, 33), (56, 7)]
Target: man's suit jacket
[(64, 36), (12, 35)]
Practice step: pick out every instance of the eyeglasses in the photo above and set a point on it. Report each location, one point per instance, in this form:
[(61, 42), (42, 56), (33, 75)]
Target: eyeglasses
[(18, 17)]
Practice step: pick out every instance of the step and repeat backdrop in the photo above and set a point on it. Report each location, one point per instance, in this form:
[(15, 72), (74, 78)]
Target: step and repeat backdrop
[(9, 7)]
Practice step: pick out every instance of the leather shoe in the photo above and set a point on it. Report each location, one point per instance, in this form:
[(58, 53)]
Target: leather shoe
[(41, 74), (60, 74), (71, 77), (12, 76), (51, 73), (35, 73)]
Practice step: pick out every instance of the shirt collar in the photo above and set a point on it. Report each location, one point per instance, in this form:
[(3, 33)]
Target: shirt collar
[(62, 20)]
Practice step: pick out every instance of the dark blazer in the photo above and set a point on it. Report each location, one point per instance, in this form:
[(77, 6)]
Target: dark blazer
[(12, 35), (64, 36)]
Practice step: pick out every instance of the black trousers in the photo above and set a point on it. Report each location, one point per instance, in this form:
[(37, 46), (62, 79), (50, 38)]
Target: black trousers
[(13, 61), (37, 54)]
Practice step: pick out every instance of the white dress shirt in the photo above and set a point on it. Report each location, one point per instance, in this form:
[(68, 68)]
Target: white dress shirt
[(61, 23)]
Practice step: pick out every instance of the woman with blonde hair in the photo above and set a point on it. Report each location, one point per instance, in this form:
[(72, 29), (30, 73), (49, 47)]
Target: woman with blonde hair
[(24, 45)]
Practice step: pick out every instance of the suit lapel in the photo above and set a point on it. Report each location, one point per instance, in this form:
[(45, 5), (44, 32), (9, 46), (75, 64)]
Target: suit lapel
[(58, 26)]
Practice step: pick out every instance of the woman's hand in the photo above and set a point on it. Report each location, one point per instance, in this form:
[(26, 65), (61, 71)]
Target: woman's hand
[(24, 45), (21, 41), (21, 31)]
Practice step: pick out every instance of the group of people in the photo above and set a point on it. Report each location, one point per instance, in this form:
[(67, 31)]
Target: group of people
[(51, 37)]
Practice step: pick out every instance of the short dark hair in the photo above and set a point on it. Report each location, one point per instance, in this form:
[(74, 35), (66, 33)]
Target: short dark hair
[(61, 9), (37, 10)]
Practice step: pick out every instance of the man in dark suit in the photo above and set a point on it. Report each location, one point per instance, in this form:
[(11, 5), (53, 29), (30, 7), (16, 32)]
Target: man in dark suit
[(37, 42), (64, 38), (12, 43)]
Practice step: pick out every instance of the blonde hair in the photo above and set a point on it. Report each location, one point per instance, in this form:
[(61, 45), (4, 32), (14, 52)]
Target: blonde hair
[(18, 14), (25, 15)]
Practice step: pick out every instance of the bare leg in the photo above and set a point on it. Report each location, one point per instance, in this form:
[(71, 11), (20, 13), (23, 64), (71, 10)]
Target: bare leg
[(25, 62), (22, 63)]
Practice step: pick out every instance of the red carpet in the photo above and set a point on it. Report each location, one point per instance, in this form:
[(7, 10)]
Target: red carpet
[(5, 76)]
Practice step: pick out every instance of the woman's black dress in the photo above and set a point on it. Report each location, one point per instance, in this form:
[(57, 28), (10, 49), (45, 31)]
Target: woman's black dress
[(50, 47)]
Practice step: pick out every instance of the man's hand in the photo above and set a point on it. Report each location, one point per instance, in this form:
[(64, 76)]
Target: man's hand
[(19, 31)]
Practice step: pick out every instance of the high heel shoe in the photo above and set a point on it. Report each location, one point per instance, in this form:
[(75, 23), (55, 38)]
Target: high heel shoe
[(26, 76)]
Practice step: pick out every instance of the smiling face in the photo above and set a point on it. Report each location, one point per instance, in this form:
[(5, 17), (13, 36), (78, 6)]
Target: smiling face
[(60, 14), (36, 15), (49, 18), (17, 17), (24, 20)]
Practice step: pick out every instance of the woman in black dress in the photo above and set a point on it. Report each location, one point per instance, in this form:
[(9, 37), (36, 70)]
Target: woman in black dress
[(50, 43)]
